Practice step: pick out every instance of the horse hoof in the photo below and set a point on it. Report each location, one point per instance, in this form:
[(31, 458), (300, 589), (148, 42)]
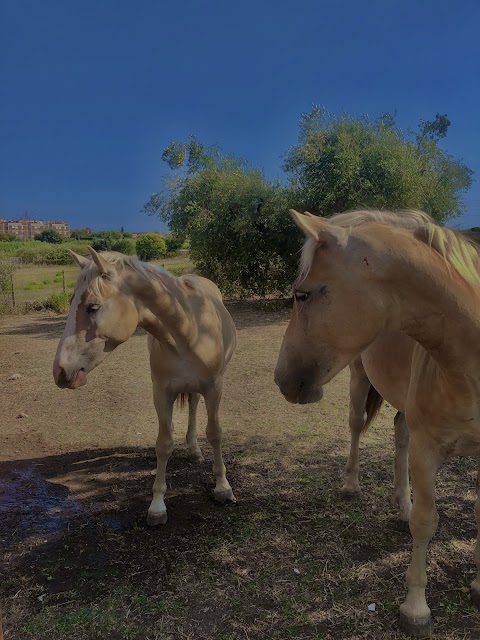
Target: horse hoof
[(154, 519), (197, 458), (421, 628), (475, 597), (224, 495), (349, 493)]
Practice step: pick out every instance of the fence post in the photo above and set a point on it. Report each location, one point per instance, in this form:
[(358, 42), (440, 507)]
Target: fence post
[(63, 282), (13, 289)]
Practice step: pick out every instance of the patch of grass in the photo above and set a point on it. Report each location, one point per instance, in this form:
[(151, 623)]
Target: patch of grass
[(126, 613)]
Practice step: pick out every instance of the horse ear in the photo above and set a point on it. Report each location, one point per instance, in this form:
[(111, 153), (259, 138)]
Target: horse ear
[(318, 228), (101, 263), (82, 261)]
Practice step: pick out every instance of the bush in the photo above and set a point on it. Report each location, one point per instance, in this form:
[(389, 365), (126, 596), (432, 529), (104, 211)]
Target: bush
[(7, 237), (150, 246), (49, 235), (58, 302), (125, 246)]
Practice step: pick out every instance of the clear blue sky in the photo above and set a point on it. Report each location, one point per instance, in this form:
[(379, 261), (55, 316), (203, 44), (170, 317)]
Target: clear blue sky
[(92, 91)]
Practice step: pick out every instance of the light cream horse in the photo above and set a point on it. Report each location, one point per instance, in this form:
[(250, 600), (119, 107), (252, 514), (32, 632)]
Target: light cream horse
[(192, 339), (404, 293)]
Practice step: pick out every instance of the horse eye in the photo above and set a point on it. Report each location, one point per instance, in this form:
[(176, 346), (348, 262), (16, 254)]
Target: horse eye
[(301, 296), (93, 308)]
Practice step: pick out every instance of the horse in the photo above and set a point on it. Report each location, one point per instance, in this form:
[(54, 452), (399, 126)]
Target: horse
[(192, 338), (366, 278), (365, 403)]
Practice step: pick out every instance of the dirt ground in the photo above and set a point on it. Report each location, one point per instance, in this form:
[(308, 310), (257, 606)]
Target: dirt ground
[(289, 560)]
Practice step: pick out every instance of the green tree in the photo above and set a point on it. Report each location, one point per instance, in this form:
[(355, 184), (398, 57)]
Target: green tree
[(7, 237), (173, 243), (240, 233), (345, 163), (125, 245), (49, 235), (150, 246)]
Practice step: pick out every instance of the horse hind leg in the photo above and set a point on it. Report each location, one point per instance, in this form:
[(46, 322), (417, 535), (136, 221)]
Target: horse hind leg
[(194, 451), (400, 474), (223, 491)]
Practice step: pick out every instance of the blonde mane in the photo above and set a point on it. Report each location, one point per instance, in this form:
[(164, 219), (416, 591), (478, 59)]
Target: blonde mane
[(100, 287), (457, 250)]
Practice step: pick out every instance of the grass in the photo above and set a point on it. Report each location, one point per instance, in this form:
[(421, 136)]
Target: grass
[(35, 284)]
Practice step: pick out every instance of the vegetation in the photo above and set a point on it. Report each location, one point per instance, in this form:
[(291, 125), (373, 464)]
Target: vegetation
[(49, 235), (345, 163), (237, 222), (7, 237), (151, 246)]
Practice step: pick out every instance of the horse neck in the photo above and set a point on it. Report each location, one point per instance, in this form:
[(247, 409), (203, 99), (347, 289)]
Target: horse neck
[(163, 304), (439, 310)]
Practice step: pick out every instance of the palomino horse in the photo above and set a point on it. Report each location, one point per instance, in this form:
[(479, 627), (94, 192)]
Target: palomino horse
[(365, 403), (366, 278), (192, 339)]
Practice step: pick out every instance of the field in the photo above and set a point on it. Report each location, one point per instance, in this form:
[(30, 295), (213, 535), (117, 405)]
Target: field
[(34, 283), (291, 560)]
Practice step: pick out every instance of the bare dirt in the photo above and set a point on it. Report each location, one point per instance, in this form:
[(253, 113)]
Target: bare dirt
[(290, 560)]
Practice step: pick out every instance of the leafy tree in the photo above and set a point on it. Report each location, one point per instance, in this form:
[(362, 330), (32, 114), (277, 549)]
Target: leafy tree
[(173, 243), (7, 237), (125, 245), (237, 223), (344, 163), (49, 235), (150, 246), (81, 234)]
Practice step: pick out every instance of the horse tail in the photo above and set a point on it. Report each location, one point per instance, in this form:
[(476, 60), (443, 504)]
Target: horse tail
[(372, 406), (181, 400)]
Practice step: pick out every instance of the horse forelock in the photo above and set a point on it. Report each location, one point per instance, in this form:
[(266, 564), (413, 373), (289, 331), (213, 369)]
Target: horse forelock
[(456, 249)]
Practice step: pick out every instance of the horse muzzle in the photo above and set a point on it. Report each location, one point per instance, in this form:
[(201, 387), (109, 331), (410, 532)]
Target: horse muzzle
[(299, 387), (69, 381)]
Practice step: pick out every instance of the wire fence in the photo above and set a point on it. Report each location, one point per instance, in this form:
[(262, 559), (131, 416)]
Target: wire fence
[(27, 287)]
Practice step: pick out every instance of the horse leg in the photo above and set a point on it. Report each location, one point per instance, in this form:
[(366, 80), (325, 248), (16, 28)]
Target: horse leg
[(400, 473), (475, 586), (157, 511), (194, 452), (359, 386), (223, 490), (415, 616)]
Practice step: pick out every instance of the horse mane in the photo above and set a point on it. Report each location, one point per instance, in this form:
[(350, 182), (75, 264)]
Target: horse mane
[(458, 250), (101, 286)]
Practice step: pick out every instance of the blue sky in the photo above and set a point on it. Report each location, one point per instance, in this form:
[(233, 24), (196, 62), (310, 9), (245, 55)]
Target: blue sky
[(93, 91)]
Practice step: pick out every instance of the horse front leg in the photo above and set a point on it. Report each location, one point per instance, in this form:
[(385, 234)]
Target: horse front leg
[(157, 511), (400, 474), (359, 387), (223, 490), (194, 451), (415, 615)]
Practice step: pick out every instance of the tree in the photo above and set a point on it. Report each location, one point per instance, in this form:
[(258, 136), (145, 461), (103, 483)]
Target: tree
[(345, 163), (173, 243), (150, 246), (7, 237), (237, 222), (49, 235), (125, 245)]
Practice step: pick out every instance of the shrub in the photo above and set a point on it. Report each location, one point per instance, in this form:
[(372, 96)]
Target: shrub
[(150, 246), (58, 302), (125, 246), (49, 235)]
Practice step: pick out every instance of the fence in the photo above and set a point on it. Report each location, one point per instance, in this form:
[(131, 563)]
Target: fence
[(24, 288)]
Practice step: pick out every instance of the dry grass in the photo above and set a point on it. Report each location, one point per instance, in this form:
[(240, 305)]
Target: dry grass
[(290, 561)]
